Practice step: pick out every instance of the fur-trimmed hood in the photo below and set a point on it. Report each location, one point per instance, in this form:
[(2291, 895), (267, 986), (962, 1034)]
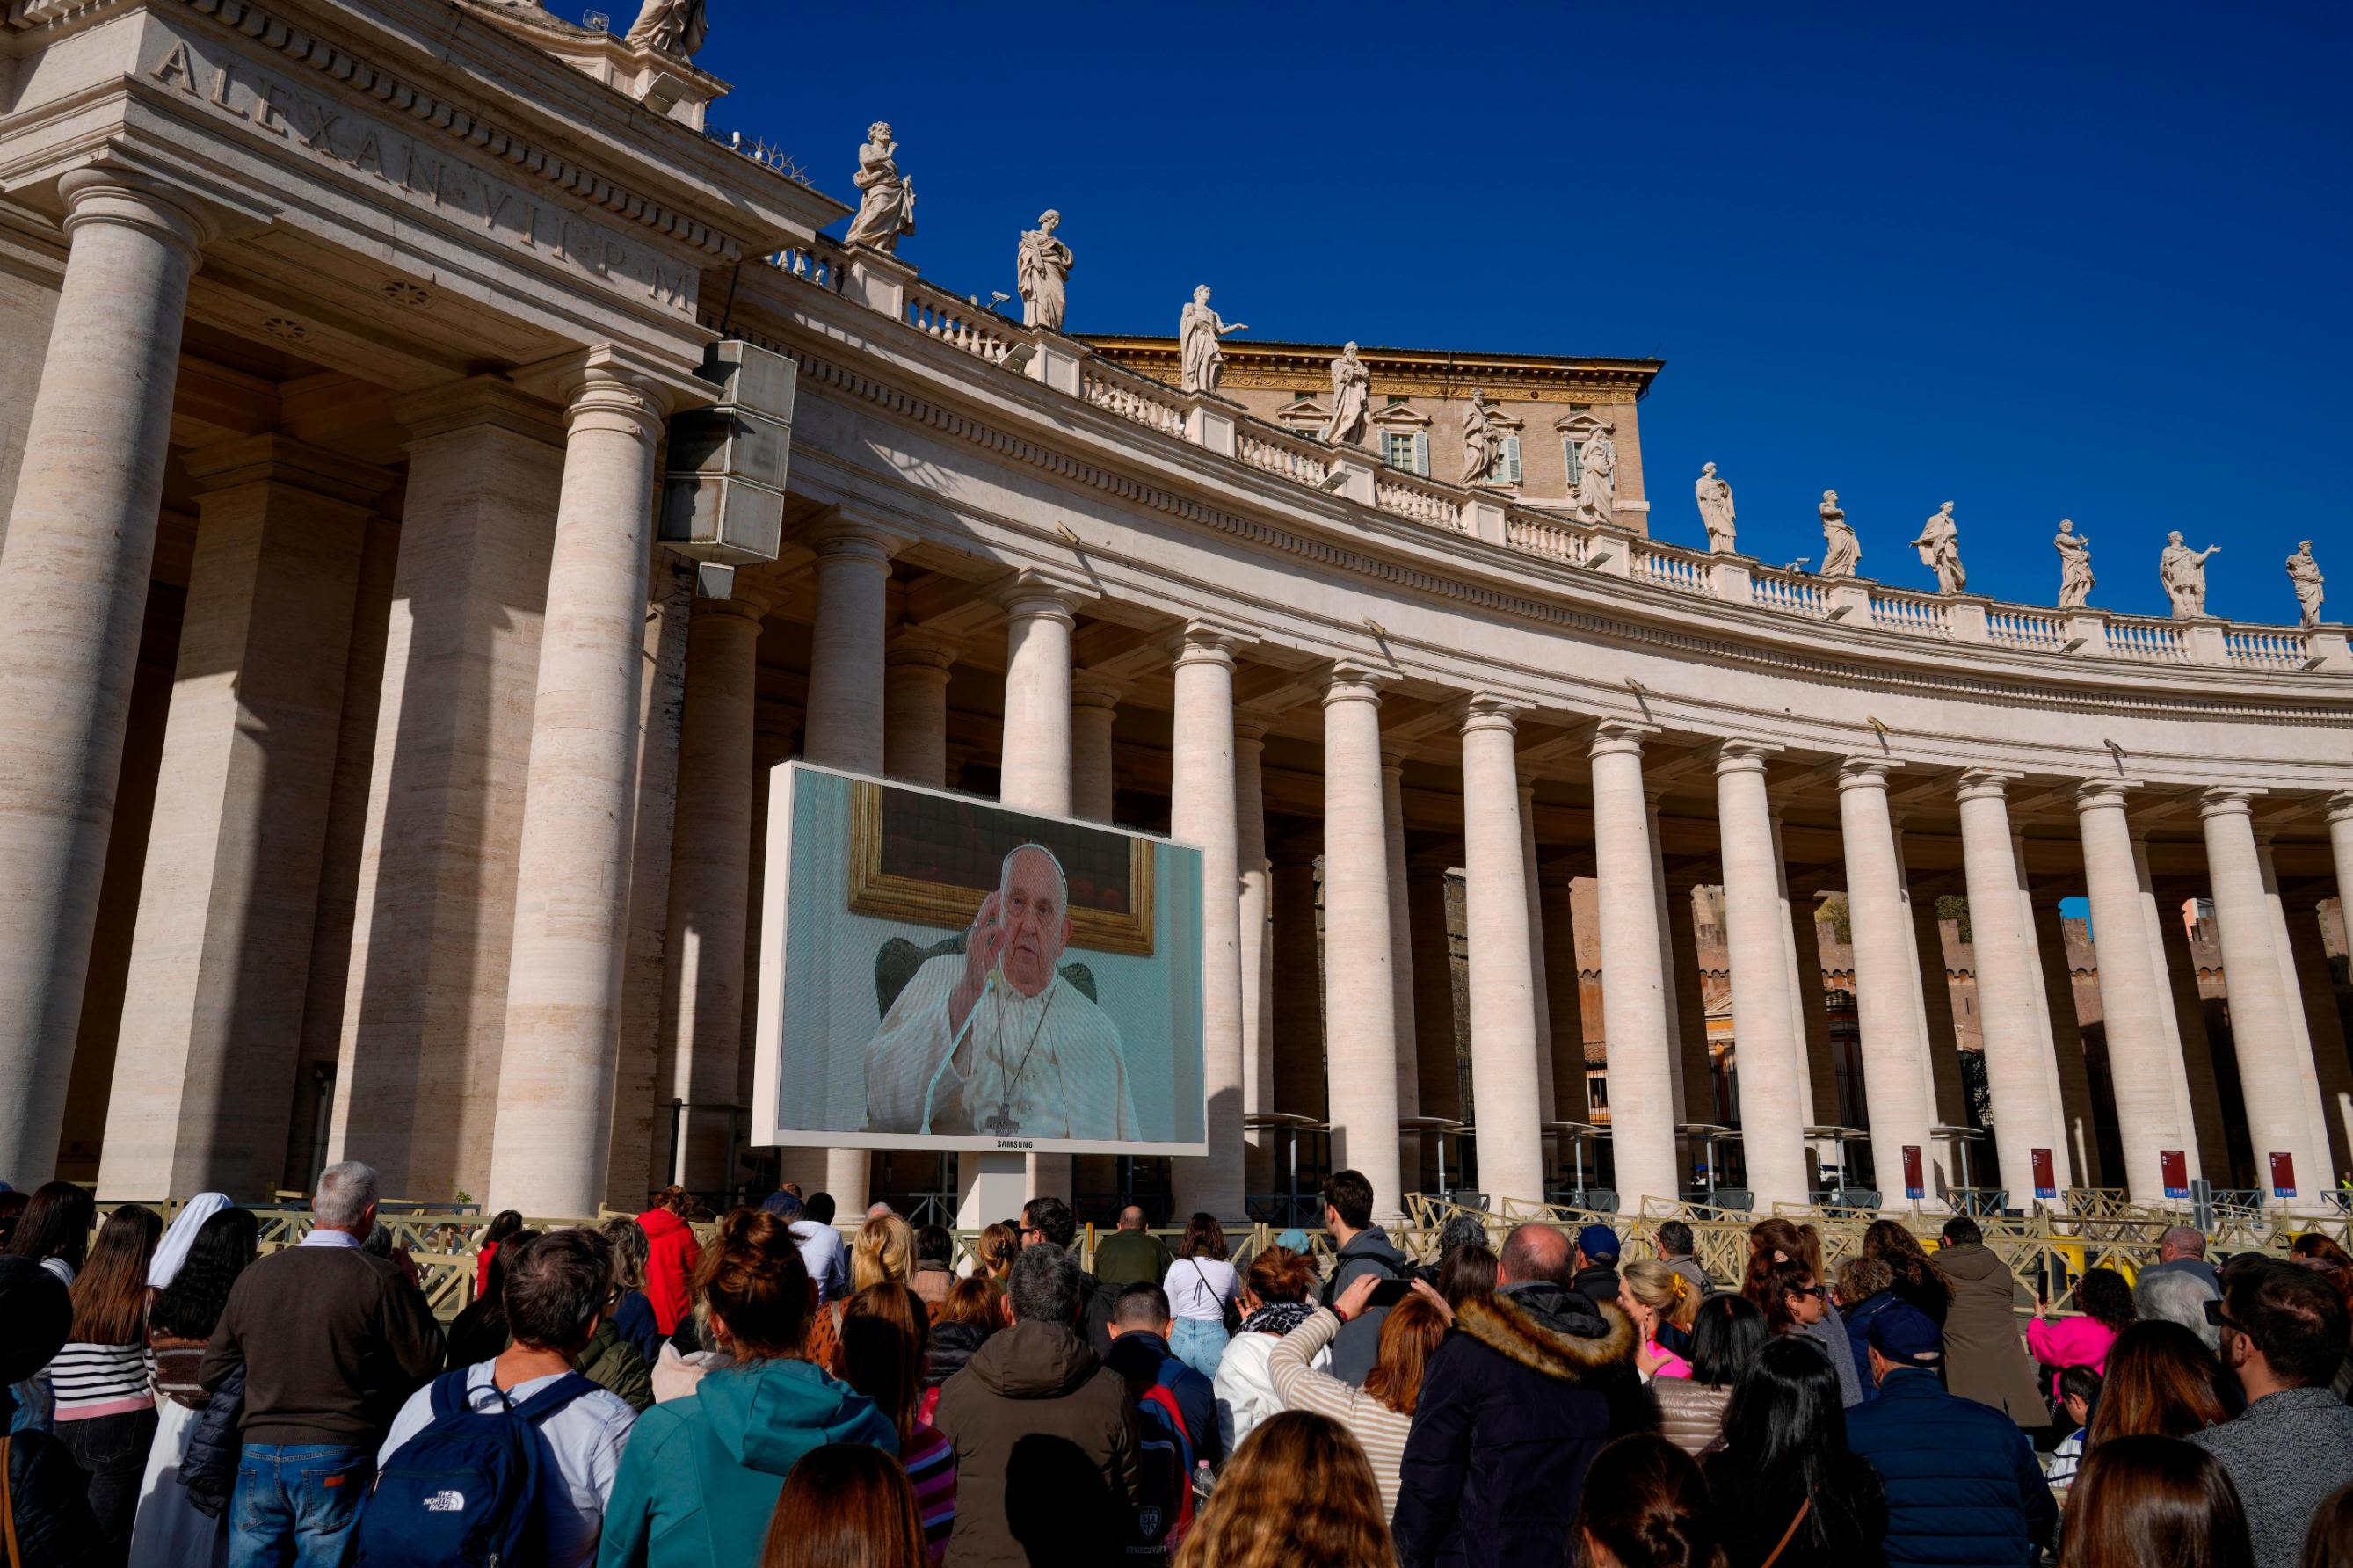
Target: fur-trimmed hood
[(1552, 1331)]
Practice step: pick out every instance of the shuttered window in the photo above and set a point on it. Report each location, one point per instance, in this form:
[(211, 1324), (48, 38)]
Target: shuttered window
[(1507, 468)]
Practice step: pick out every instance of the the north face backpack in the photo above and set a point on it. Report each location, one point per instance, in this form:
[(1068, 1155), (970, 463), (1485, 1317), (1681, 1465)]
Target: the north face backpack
[(464, 1492), (1164, 1464)]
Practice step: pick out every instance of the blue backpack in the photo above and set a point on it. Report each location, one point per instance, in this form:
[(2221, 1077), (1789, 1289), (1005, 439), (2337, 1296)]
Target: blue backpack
[(464, 1492)]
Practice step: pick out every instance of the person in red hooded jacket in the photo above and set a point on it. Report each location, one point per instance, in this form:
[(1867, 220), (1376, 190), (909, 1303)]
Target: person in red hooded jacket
[(671, 1255)]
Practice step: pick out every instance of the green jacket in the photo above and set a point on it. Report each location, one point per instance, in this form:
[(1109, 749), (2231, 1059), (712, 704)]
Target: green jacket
[(701, 1473), (1128, 1256), (611, 1362)]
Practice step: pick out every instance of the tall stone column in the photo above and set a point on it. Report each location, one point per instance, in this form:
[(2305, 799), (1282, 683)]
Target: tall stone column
[(2024, 1115), (1887, 1003), (1095, 703), (1772, 1123), (2077, 1153), (2315, 991), (1034, 761), (1298, 1066), (1945, 1101), (2133, 997), (1694, 1063), (710, 837), (220, 959), (554, 1122), (1360, 993), (1539, 996), (1635, 1001), (2176, 1045), (1409, 1074), (73, 573), (1673, 969), (848, 691), (915, 670), (2279, 1104), (1805, 952), (1257, 946), (1035, 768), (424, 1007), (1505, 1075), (1800, 1030), (1201, 811)]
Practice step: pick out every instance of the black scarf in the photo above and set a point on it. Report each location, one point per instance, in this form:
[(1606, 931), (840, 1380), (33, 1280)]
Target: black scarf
[(1277, 1318)]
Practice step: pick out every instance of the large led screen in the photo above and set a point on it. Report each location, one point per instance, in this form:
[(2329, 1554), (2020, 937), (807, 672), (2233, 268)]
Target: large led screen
[(943, 972)]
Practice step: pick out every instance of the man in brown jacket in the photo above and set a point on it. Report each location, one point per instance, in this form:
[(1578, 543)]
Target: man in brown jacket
[(1985, 1359), (1045, 1446)]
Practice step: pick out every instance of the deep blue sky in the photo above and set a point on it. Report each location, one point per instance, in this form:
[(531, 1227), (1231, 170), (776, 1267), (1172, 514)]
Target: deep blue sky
[(2084, 260)]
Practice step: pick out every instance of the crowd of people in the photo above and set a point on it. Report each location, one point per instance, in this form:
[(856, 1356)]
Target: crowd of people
[(677, 1391)]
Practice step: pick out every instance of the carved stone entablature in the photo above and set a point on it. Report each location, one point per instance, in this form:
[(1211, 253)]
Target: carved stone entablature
[(1401, 417)]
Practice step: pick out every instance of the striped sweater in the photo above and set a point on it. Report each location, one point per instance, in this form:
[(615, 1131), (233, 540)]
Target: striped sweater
[(929, 1459), (1380, 1430), (102, 1380)]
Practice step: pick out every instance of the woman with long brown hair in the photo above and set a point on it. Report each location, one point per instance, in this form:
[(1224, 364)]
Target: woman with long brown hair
[(1298, 1493), (2160, 1383), (1917, 1283), (2142, 1500), (1645, 1505), (1201, 1286), (1379, 1415), (106, 1407), (883, 1332), (1777, 1240), (702, 1475), (999, 1245), (844, 1506), (974, 1310), (1273, 1301)]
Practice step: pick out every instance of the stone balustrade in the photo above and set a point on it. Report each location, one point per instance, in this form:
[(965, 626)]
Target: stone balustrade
[(1571, 541)]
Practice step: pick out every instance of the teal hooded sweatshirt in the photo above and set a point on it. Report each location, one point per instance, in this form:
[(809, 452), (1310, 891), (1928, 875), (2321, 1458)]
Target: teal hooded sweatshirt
[(701, 1474)]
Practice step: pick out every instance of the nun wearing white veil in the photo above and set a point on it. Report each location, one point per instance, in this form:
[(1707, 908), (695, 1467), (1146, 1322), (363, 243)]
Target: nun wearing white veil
[(172, 1252)]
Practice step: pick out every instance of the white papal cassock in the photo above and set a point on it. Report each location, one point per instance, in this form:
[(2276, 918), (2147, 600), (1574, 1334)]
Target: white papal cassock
[(1047, 1066)]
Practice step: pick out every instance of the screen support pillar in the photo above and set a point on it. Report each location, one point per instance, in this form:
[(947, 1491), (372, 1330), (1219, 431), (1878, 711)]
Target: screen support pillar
[(990, 1187)]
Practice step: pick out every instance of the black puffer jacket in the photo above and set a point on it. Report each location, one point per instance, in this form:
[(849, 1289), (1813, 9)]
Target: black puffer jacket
[(209, 1467), (1522, 1392), (952, 1346), (49, 1497)]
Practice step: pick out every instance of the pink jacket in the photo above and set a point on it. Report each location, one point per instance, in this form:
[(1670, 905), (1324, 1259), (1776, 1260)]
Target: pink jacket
[(2062, 1342)]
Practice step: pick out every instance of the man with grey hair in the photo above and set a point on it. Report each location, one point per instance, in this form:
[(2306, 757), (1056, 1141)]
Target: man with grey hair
[(331, 1340), (2177, 1296), (1045, 1451), (994, 1040), (2182, 1250)]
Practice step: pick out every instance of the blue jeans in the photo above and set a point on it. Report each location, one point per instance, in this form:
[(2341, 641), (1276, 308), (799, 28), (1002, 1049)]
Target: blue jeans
[(297, 1504), (1200, 1343)]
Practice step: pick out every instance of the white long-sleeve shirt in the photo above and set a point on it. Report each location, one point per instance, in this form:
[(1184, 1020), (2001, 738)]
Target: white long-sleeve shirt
[(1048, 1066)]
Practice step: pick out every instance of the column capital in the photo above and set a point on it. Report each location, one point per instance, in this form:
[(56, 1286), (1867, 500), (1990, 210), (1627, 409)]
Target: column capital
[(1091, 689), (2228, 800), (2097, 794), (2340, 806), (1392, 757), (741, 604), (1203, 641), (1250, 725), (1353, 682), (1865, 772), (606, 396), (1621, 738), (1985, 783), (1034, 594), (840, 536), (1743, 756), (114, 195), (912, 648), (1492, 710)]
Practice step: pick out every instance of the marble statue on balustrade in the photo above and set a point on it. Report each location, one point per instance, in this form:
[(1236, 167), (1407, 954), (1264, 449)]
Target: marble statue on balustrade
[(2075, 580), (672, 27), (1939, 546), (1202, 363), (886, 203), (1042, 268), (2183, 571), (2304, 573), (1352, 396), (1842, 551), (1715, 511), (1597, 476), (1482, 440)]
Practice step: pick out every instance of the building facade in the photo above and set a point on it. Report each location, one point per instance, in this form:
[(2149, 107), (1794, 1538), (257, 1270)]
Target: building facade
[(384, 783)]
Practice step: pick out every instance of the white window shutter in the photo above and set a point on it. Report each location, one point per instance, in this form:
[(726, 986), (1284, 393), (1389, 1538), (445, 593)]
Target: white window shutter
[(1569, 458), (1421, 453), (1512, 458)]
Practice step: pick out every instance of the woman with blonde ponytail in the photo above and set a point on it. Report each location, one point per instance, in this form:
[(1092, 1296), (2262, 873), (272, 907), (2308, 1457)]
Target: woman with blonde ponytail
[(1651, 1294)]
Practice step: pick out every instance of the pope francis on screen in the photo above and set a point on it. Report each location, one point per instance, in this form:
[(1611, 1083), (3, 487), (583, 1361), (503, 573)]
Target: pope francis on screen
[(993, 1041)]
